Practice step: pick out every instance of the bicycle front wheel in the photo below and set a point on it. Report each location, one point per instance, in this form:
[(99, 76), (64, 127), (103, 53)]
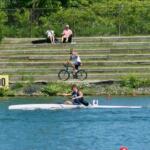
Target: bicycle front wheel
[(81, 75), (63, 75)]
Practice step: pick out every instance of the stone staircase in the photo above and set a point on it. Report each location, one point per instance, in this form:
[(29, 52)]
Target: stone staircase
[(104, 58)]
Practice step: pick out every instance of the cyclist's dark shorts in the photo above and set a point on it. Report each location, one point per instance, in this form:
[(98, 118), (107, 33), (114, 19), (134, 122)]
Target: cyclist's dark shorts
[(77, 65)]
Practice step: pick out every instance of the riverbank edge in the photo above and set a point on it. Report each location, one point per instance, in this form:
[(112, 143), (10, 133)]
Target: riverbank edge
[(111, 88)]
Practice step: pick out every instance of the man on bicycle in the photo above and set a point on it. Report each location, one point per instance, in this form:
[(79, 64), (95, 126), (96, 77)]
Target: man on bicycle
[(74, 61)]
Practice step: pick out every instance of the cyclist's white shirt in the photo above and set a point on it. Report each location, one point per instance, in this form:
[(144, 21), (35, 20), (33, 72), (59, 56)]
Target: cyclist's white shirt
[(75, 59), (78, 59)]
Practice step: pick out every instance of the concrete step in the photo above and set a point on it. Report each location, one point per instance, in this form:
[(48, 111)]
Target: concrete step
[(113, 39), (56, 45), (32, 71), (52, 77), (66, 57), (47, 58), (26, 68), (86, 63), (71, 81), (104, 58), (130, 51), (50, 51), (79, 45), (85, 39)]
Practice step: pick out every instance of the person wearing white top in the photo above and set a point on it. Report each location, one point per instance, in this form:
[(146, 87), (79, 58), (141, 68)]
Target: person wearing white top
[(74, 61), (51, 36)]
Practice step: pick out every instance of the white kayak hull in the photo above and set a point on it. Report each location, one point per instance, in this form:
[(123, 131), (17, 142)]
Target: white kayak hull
[(64, 106)]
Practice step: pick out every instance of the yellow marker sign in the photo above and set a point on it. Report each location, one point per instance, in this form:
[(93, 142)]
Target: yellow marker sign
[(4, 81)]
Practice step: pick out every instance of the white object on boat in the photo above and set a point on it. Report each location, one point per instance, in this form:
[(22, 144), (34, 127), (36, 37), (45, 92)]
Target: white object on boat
[(95, 102), (63, 106)]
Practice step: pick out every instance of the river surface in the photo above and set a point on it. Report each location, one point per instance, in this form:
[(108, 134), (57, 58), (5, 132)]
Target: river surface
[(78, 129)]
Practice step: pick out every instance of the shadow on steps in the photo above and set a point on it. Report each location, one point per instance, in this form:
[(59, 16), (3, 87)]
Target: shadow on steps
[(40, 41)]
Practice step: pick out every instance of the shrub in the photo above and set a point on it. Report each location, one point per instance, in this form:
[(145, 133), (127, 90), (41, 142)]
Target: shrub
[(31, 88), (130, 81), (145, 83), (6, 92), (55, 88), (16, 86), (51, 89)]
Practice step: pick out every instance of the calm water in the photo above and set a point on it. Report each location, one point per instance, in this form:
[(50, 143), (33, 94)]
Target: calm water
[(80, 129)]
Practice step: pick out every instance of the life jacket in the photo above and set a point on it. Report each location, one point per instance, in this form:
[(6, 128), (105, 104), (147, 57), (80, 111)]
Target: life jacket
[(75, 94)]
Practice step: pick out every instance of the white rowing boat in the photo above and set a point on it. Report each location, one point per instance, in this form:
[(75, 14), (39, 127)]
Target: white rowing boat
[(64, 106)]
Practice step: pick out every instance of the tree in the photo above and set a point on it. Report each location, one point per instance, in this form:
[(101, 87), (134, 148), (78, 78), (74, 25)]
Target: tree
[(3, 19), (86, 17)]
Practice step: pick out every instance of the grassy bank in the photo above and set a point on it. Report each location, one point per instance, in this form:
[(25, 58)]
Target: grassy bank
[(128, 85)]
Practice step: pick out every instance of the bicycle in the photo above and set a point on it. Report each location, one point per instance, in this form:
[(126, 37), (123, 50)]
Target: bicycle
[(64, 74)]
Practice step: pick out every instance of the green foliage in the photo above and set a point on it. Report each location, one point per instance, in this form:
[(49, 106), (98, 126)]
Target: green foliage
[(0, 37), (23, 23), (51, 89), (3, 92), (31, 89), (17, 86), (145, 83), (6, 92), (3, 19), (85, 17), (19, 23), (130, 81), (56, 88)]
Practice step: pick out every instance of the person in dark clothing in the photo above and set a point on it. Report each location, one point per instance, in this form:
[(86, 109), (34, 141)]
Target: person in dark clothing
[(77, 96)]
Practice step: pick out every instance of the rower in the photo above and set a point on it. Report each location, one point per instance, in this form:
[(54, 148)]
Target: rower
[(77, 96)]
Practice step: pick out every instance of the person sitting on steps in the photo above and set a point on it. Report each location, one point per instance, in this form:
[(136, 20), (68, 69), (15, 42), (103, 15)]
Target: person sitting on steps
[(51, 36), (67, 35)]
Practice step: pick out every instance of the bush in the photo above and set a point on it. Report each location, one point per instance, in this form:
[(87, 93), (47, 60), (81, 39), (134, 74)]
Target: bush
[(16, 86), (3, 92), (6, 92), (31, 88), (130, 81), (55, 88)]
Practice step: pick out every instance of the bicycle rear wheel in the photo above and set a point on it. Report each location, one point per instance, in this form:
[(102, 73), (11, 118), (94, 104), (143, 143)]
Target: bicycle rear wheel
[(81, 75), (63, 75)]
